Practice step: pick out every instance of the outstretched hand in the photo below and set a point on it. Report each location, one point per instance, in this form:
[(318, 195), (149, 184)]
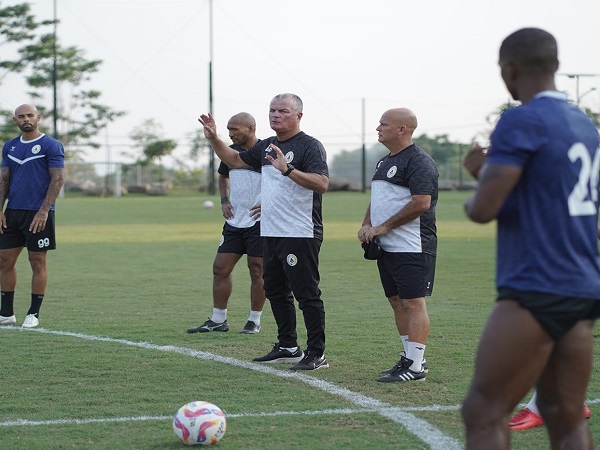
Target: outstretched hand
[(279, 162), (210, 127)]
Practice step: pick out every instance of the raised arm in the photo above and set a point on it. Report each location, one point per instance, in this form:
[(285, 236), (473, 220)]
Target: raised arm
[(226, 154)]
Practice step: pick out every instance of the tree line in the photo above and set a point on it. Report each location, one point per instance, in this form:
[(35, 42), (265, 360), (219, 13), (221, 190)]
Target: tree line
[(47, 66)]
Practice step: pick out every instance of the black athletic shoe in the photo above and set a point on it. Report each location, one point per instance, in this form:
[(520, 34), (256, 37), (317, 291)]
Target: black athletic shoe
[(403, 373), (281, 355), (311, 362), (209, 325), (403, 354), (250, 328)]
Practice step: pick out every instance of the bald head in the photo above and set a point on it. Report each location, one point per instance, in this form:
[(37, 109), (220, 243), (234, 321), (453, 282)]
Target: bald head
[(403, 117), (242, 128), (27, 118), (25, 108), (243, 119), (396, 128), (531, 50)]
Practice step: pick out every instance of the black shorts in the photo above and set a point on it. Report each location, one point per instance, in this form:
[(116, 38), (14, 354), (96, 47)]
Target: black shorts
[(292, 264), (556, 314), (17, 234), (407, 275), (241, 240)]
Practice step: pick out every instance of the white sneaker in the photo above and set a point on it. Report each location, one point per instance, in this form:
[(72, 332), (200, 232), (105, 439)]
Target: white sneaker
[(10, 320), (30, 321)]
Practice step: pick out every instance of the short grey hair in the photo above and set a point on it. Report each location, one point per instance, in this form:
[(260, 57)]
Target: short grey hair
[(296, 101)]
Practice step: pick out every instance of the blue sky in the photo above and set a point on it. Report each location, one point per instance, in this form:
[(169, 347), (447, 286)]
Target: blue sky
[(436, 57)]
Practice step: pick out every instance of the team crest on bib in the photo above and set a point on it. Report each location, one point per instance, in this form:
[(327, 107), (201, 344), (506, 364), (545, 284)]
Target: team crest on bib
[(221, 240), (392, 171), (291, 260), (289, 157), (36, 149)]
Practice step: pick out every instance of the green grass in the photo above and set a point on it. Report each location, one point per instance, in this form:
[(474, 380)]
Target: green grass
[(138, 269)]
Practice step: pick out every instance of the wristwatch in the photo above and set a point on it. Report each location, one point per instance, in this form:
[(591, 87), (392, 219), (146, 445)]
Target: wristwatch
[(287, 172)]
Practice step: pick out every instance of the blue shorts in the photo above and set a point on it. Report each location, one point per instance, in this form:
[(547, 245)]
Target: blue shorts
[(556, 314), (17, 234), (241, 241), (407, 275)]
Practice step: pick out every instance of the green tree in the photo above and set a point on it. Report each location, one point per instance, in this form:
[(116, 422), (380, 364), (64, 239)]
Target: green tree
[(199, 145), (17, 26), (149, 141), (493, 117), (189, 172), (441, 148), (593, 115), (348, 163), (79, 116), (446, 153)]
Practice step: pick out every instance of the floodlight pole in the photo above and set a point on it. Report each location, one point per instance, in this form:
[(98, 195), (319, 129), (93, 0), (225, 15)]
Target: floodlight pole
[(577, 76), (211, 157), (363, 168), (55, 75), (586, 93)]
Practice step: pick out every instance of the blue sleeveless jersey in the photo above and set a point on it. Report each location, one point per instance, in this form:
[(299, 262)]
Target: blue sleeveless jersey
[(547, 227), (28, 163)]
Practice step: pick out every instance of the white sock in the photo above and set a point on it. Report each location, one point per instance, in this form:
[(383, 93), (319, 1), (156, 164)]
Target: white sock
[(532, 405), (219, 315), (255, 317), (291, 349), (404, 339), (415, 352)]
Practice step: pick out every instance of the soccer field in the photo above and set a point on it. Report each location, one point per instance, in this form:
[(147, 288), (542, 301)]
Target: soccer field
[(111, 362)]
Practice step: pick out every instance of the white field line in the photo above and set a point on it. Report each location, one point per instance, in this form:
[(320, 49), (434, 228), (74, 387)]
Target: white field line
[(422, 429), (25, 422)]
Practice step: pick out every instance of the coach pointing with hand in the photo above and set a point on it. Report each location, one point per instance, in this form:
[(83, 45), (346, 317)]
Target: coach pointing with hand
[(294, 177)]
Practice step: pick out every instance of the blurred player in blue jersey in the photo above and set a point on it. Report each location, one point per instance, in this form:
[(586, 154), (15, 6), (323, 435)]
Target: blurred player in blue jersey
[(540, 181), (31, 178), (404, 193), (240, 201), (294, 178)]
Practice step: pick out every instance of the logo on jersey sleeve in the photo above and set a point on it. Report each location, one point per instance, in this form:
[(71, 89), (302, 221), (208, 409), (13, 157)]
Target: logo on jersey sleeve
[(291, 259), (289, 157), (36, 149), (392, 171)]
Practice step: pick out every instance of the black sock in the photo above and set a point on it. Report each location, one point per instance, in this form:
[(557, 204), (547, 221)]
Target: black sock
[(36, 303), (7, 299)]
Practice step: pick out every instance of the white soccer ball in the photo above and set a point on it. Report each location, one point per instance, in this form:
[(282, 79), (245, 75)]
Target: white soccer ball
[(199, 423), (208, 204)]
